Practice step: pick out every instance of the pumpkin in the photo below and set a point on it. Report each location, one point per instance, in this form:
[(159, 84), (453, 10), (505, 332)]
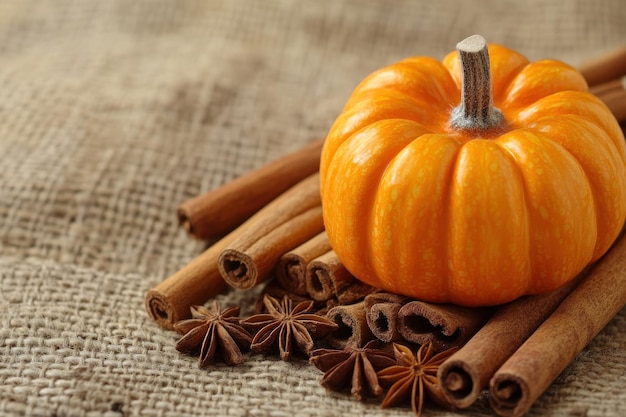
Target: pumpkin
[(473, 180)]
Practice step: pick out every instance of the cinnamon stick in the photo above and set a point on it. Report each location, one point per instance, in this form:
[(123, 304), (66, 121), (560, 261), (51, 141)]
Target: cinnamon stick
[(291, 268), (604, 68), (224, 208), (467, 372), (285, 223), (613, 94), (445, 325), (563, 335), (326, 276), (355, 292), (194, 284), (353, 329), (382, 315)]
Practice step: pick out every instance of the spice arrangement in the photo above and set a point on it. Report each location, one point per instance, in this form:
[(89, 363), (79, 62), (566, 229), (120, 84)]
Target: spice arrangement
[(324, 231)]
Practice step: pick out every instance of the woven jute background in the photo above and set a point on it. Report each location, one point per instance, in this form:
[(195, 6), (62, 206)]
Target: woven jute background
[(114, 112)]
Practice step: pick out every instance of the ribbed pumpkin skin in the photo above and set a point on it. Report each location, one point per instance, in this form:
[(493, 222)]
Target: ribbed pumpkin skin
[(415, 207)]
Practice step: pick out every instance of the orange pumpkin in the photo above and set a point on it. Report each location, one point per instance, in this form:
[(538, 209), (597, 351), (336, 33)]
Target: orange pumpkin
[(474, 180)]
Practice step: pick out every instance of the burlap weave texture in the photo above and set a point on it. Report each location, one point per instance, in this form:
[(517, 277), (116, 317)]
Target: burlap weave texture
[(112, 113)]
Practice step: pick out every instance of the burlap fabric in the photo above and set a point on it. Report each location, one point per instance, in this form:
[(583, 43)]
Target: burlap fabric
[(112, 113)]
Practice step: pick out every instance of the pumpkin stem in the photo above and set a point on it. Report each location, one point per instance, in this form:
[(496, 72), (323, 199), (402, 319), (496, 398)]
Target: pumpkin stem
[(476, 111)]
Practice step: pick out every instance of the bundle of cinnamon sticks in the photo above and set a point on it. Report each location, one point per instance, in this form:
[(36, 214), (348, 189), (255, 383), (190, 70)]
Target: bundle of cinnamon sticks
[(275, 232)]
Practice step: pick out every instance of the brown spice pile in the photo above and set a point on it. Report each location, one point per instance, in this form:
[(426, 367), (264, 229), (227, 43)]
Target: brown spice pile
[(290, 328)]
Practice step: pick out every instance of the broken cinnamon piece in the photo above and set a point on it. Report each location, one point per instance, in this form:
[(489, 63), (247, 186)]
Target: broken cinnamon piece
[(355, 292), (291, 267), (445, 325), (326, 276), (382, 315), (353, 329), (224, 208)]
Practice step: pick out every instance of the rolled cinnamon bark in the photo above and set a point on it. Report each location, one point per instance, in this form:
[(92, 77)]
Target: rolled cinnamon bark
[(467, 372), (604, 68), (382, 315), (285, 223), (553, 346), (355, 292), (292, 266), (353, 329), (224, 208), (194, 284), (445, 325), (326, 276)]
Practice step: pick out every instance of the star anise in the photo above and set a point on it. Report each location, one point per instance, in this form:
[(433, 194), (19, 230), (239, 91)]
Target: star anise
[(353, 367), (414, 377), (285, 325), (211, 332)]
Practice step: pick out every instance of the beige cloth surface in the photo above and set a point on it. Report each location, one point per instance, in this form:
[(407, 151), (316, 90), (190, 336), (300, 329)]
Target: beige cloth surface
[(114, 112)]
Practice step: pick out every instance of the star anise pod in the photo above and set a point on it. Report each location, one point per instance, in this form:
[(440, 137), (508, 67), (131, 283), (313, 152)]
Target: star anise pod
[(285, 325), (414, 377), (353, 367), (211, 332)]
